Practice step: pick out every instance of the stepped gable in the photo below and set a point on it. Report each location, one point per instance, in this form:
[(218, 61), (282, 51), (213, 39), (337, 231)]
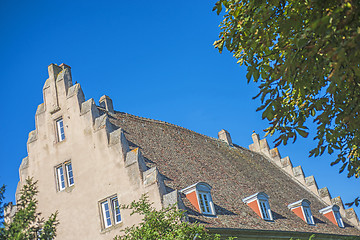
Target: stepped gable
[(184, 157)]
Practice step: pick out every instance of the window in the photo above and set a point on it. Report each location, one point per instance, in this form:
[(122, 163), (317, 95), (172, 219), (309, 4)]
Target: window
[(64, 176), (338, 218), (116, 208), (204, 202), (264, 209), (110, 211), (106, 213), (200, 197), (61, 178), (60, 130), (308, 215), (332, 213), (302, 210), (69, 173), (260, 204)]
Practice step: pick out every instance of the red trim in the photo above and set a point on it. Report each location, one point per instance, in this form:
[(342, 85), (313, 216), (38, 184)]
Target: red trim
[(299, 212), (255, 206), (193, 199), (330, 215)]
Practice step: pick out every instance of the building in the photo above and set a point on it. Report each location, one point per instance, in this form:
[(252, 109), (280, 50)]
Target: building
[(88, 159)]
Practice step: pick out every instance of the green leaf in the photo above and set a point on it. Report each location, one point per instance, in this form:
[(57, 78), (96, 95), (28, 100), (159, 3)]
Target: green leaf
[(248, 75), (303, 57), (330, 150), (256, 74), (268, 113), (313, 112), (302, 133)]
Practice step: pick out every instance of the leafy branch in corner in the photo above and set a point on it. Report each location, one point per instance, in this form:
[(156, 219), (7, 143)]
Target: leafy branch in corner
[(27, 223), (165, 224), (305, 58)]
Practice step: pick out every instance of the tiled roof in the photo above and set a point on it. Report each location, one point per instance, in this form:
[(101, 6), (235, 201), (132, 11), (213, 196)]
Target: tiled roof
[(185, 157)]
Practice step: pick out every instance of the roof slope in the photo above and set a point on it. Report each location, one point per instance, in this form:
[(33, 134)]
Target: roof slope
[(185, 157)]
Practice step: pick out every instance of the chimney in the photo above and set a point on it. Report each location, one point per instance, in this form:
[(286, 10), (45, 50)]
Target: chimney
[(64, 66), (53, 70), (225, 136), (106, 103)]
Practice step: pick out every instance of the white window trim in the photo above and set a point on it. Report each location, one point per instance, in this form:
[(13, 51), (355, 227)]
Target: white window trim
[(104, 212), (115, 208), (267, 209), (261, 197), (303, 204), (60, 130), (208, 199), (334, 209), (67, 164), (310, 219), (59, 175), (201, 188), (338, 218), (64, 167), (110, 201)]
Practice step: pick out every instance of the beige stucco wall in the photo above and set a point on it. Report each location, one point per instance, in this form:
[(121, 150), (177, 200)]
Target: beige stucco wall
[(97, 152)]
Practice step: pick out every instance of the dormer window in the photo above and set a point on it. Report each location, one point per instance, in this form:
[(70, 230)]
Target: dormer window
[(60, 130), (199, 196), (204, 202), (302, 209), (260, 204), (332, 213)]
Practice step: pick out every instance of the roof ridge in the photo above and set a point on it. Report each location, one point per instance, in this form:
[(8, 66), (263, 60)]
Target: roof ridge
[(166, 123)]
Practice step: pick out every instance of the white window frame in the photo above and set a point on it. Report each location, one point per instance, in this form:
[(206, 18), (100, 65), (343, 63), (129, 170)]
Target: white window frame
[(205, 202), (116, 210), (336, 213), (308, 215), (265, 209), (262, 201), (203, 195), (338, 218), (60, 177), (63, 177), (60, 130), (69, 170), (112, 215), (106, 214), (304, 205)]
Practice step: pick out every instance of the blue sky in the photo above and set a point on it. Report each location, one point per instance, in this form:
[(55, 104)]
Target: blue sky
[(155, 59)]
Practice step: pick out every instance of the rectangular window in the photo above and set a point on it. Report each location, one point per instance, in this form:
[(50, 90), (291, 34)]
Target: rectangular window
[(106, 213), (116, 209), (110, 211), (205, 203), (70, 176), (265, 209), (338, 219), (60, 130), (61, 178), (308, 215), (64, 175)]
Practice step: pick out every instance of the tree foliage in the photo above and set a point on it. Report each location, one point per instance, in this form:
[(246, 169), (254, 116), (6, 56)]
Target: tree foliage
[(305, 57), (27, 223), (2, 192), (164, 224)]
